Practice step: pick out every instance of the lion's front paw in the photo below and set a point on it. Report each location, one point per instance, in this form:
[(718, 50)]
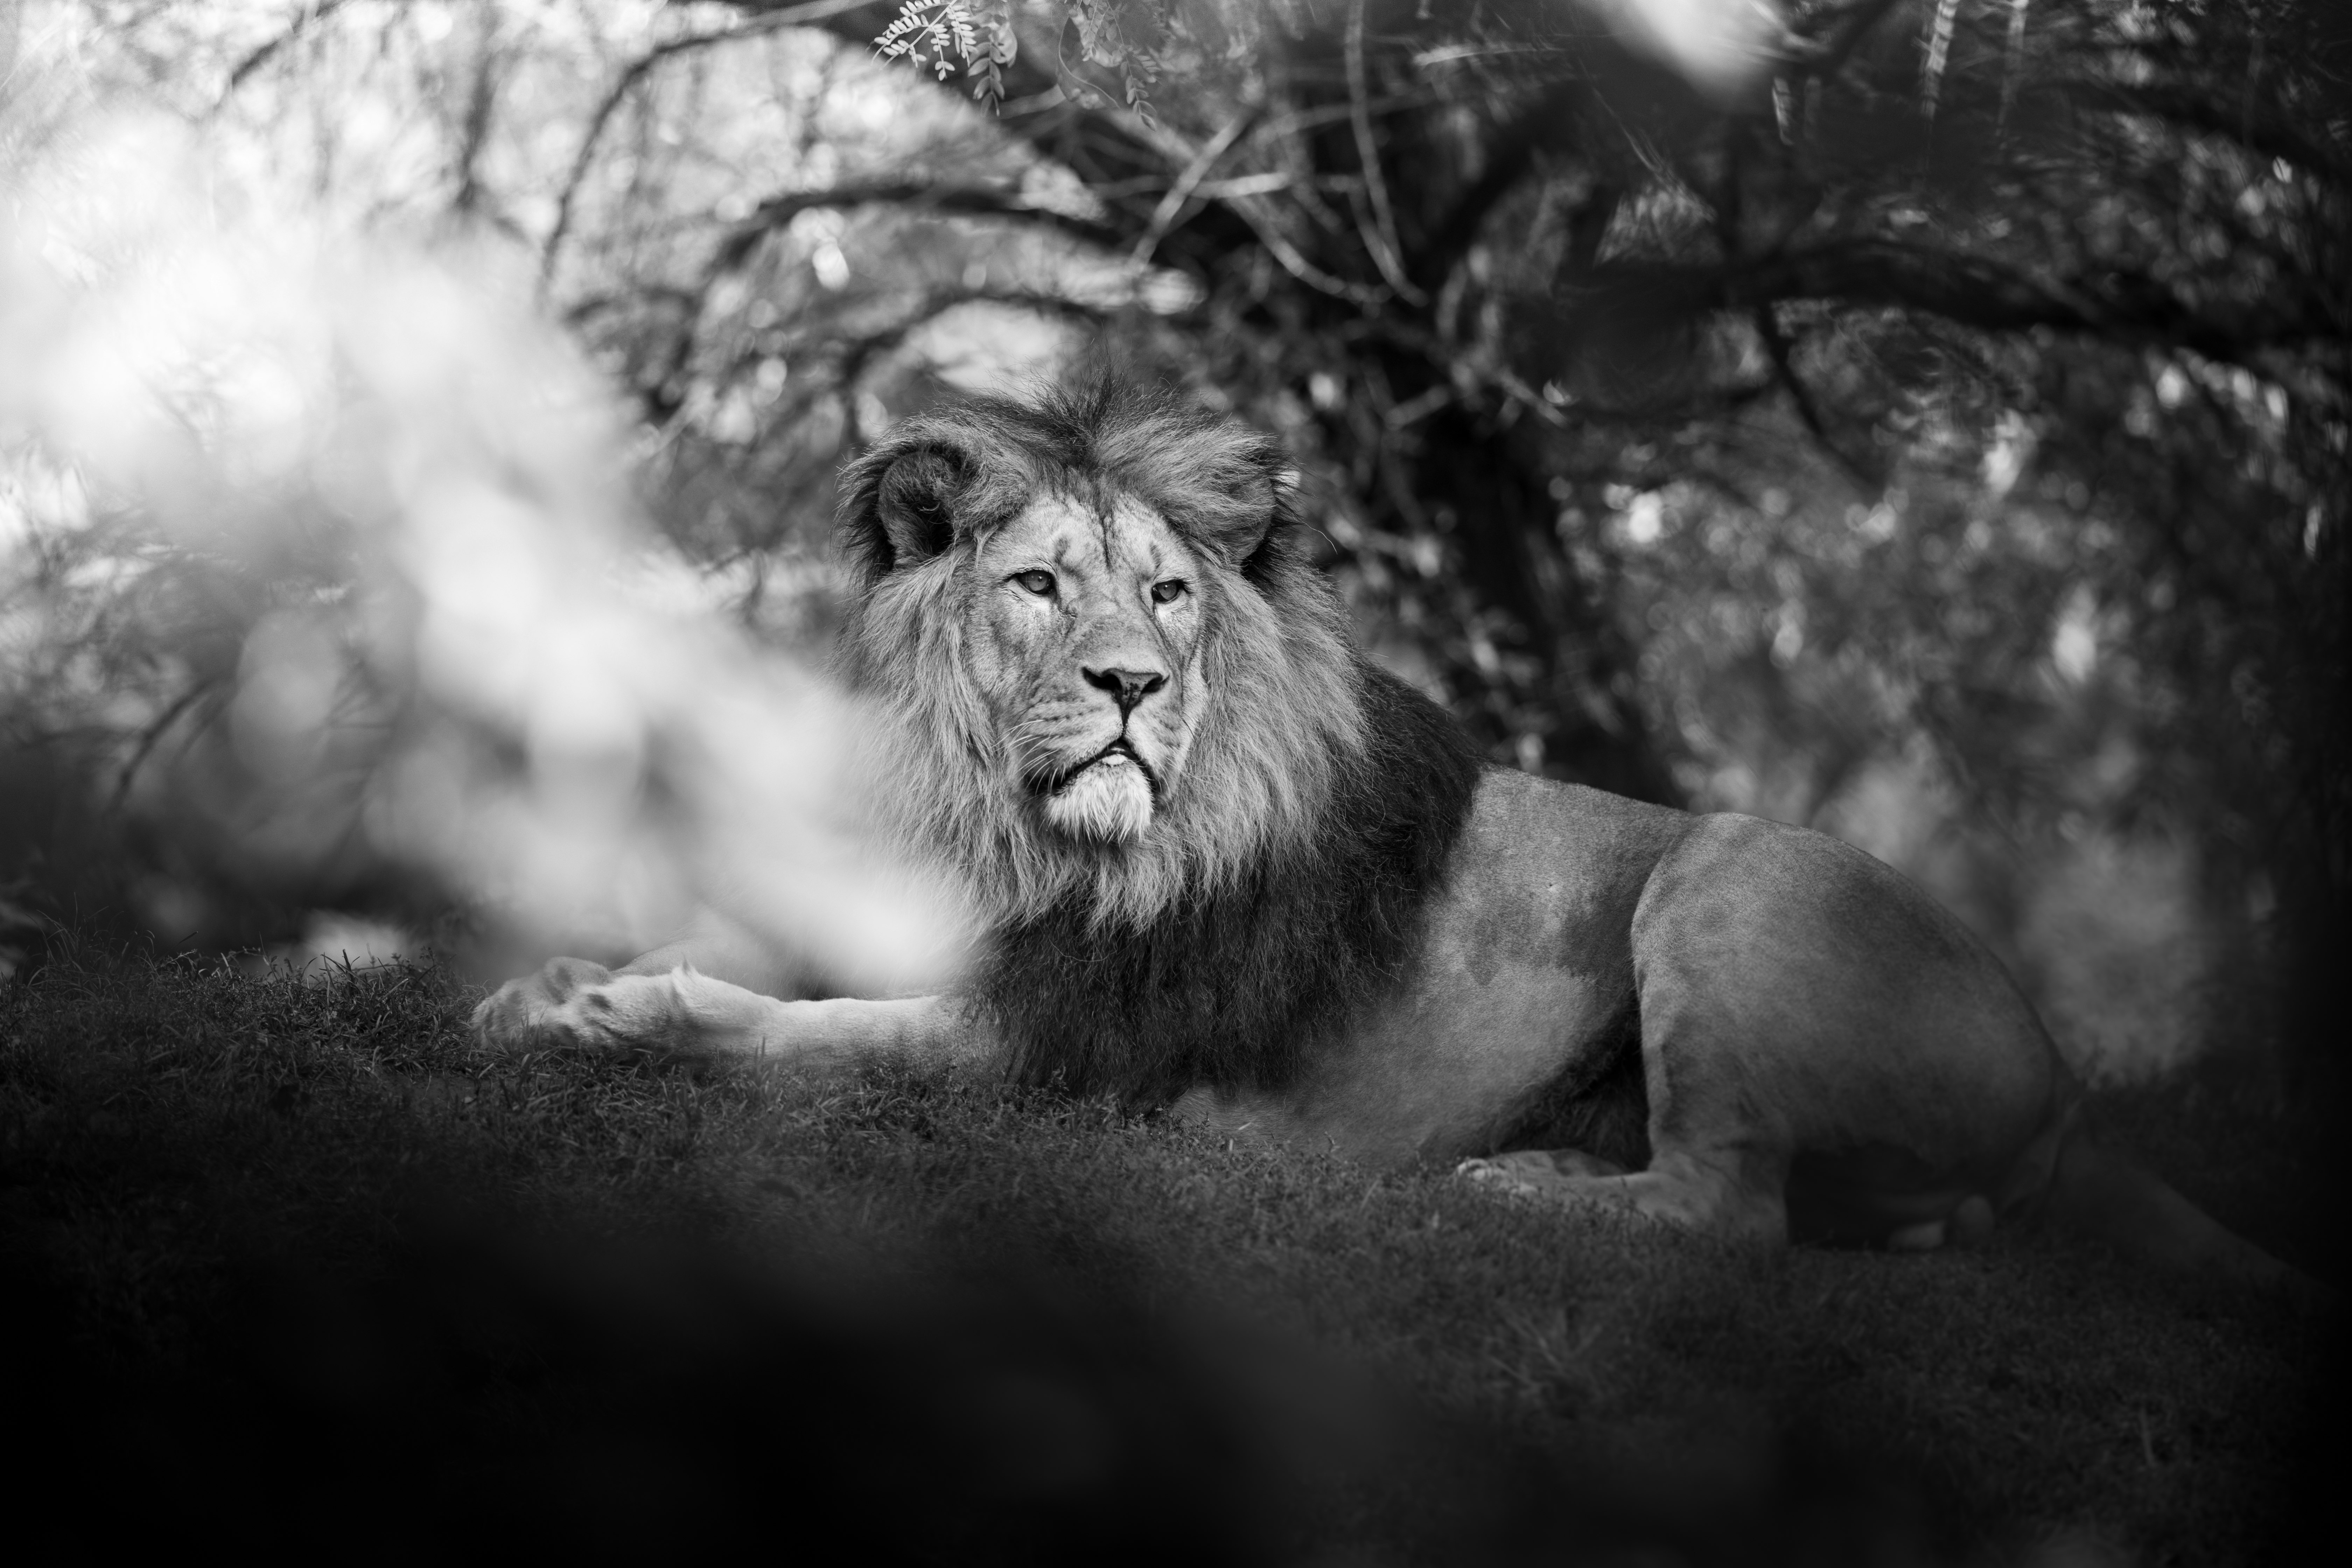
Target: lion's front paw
[(568, 1003), (1537, 1171), (1507, 1171)]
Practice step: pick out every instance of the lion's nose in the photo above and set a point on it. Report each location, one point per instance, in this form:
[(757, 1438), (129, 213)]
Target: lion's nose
[(1127, 687)]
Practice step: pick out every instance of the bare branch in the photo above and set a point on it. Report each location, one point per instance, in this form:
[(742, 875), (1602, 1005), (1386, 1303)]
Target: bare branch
[(1508, 162), (1296, 263), (858, 353), (1384, 246), (1299, 120), (977, 201), (1849, 27), (1181, 154), (1776, 345), (1130, 146), (2193, 112), (481, 101), (205, 689), (635, 71), (1971, 291), (1464, 375), (1163, 216), (312, 12)]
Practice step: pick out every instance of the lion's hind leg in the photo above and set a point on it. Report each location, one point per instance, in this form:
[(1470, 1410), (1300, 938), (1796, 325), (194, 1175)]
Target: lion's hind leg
[(1879, 1196)]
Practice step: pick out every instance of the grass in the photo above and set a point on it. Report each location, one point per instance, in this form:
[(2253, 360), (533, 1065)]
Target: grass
[(294, 1266)]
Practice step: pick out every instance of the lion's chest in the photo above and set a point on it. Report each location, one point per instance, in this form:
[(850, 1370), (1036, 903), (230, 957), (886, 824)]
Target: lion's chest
[(1489, 1021), (1441, 1075), (1521, 978)]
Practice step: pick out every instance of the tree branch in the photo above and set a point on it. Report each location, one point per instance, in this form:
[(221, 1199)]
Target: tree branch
[(1386, 251), (312, 14), (2194, 111), (1180, 153), (1849, 27), (1508, 160), (1118, 144), (971, 201), (1106, 132), (202, 690), (1775, 346), (1970, 291), (801, 15), (858, 353), (1163, 216)]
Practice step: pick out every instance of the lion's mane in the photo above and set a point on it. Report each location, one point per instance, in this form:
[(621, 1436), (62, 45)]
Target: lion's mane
[(1279, 887)]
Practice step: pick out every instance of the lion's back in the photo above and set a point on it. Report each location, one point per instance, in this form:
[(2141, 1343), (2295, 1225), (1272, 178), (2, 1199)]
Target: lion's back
[(1536, 844)]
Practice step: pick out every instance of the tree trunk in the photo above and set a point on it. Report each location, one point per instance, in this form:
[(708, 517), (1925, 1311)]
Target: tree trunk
[(1498, 515)]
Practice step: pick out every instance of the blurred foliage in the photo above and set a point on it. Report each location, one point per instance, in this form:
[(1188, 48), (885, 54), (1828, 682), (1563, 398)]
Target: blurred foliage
[(1922, 417)]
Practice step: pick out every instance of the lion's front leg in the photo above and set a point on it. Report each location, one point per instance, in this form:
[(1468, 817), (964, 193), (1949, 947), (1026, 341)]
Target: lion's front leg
[(684, 1012), (576, 1005), (1713, 1198)]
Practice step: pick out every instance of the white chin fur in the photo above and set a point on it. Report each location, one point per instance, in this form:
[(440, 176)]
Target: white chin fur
[(1110, 801)]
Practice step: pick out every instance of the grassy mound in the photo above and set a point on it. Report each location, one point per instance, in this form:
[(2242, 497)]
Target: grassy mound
[(296, 1268)]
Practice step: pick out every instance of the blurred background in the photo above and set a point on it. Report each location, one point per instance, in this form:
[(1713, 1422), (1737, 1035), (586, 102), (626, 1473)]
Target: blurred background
[(1921, 419)]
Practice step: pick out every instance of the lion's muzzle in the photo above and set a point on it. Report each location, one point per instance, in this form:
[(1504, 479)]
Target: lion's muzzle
[(1109, 797)]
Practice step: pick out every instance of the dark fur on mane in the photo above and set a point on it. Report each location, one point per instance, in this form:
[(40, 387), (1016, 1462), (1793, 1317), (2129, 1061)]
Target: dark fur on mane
[(1237, 987)]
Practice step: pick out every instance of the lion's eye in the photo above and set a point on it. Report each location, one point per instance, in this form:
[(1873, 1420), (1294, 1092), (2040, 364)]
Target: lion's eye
[(1169, 592), (1039, 582)]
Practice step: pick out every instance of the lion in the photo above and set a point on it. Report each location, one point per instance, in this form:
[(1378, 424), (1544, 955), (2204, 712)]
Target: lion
[(1225, 864)]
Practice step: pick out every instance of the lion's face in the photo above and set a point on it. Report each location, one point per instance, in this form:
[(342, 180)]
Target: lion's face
[(1086, 633), (1100, 665)]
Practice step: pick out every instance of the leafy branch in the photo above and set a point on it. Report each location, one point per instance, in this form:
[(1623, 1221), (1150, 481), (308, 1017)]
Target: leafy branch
[(978, 33), (938, 34)]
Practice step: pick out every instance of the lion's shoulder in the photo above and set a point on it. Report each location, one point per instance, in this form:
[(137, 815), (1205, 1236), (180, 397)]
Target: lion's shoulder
[(1544, 871), (1525, 816)]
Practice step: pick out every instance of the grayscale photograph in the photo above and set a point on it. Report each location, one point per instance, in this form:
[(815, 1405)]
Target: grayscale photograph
[(1375, 783)]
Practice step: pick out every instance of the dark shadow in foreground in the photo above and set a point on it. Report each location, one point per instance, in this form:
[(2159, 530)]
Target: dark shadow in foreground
[(475, 1389)]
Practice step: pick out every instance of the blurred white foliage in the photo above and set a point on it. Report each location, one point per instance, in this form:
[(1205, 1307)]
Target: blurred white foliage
[(331, 942), (2075, 642), (1718, 45), (264, 391)]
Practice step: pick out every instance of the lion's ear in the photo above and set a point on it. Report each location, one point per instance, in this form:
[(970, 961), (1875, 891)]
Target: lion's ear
[(899, 503), (916, 501), (1257, 494)]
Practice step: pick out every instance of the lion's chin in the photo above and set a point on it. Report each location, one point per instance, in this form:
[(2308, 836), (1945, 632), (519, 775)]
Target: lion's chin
[(1109, 802)]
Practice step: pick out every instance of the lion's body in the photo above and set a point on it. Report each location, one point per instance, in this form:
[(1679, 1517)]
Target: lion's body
[(1227, 865), (1793, 1006)]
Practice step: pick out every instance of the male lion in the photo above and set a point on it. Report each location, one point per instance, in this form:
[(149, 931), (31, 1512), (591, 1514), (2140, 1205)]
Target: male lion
[(1226, 863)]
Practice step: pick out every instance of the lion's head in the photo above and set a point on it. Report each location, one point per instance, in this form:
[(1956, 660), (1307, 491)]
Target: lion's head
[(1101, 663), (1108, 687)]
